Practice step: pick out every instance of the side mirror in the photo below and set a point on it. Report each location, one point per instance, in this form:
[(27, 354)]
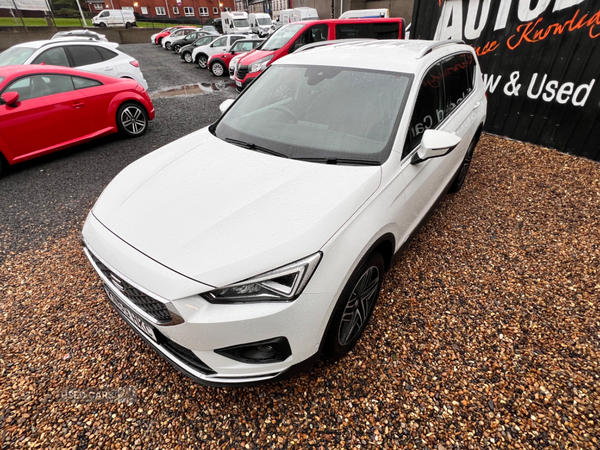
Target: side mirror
[(225, 105), (435, 144), (10, 98)]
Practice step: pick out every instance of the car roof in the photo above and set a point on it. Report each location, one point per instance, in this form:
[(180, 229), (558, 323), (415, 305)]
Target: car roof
[(65, 40), (397, 55), (10, 71)]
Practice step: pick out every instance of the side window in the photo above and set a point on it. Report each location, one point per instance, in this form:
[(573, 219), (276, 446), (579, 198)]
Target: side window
[(234, 39), (40, 86), (429, 108), (221, 42), (82, 83), (55, 56), (458, 79), (106, 53), (386, 30), (84, 55), (317, 33)]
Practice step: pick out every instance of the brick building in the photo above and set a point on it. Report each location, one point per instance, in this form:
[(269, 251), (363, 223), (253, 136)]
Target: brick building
[(192, 11)]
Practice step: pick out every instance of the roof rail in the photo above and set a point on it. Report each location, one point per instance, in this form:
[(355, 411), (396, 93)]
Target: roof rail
[(437, 44), (335, 41)]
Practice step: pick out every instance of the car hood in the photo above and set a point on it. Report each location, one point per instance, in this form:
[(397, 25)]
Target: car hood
[(254, 56), (219, 213)]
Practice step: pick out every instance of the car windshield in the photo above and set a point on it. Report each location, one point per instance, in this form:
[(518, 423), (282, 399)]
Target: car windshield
[(264, 21), (15, 56), (282, 37), (209, 28), (319, 113), (240, 23)]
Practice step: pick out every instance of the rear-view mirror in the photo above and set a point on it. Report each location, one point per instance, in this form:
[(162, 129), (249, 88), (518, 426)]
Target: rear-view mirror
[(434, 144), (10, 98)]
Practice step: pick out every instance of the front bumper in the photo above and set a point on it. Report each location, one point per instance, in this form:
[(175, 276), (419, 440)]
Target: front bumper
[(192, 329)]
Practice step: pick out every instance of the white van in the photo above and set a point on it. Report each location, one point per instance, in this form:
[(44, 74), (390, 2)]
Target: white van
[(235, 22), (366, 14), (260, 23), (305, 13), (115, 18)]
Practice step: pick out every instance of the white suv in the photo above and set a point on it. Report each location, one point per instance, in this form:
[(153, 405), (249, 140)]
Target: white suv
[(247, 250), (92, 56), (202, 54)]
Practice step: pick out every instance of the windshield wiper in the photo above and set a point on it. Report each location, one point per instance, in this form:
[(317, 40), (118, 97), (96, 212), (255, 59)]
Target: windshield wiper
[(251, 146), (348, 161)]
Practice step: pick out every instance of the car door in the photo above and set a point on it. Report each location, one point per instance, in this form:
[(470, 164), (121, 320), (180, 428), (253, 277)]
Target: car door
[(219, 46), (55, 56), (50, 113), (435, 108), (97, 103), (89, 58)]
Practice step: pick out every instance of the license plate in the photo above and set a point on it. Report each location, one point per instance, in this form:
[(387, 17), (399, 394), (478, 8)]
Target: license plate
[(133, 317), (238, 83)]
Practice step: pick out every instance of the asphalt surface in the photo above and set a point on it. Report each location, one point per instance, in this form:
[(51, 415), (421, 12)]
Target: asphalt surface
[(49, 196)]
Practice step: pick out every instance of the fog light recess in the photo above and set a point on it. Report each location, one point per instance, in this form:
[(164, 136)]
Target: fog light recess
[(262, 352)]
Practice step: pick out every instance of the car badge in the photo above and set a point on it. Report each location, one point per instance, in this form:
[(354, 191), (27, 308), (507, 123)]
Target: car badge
[(117, 282)]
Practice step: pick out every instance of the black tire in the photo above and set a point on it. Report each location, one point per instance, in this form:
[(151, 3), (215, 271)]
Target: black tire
[(461, 176), (176, 48), (128, 25), (218, 69), (3, 165), (354, 307), (202, 60), (132, 119), (187, 57), (102, 25), (160, 40), (168, 46)]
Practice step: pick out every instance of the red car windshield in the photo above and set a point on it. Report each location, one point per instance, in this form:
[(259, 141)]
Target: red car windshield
[(282, 36)]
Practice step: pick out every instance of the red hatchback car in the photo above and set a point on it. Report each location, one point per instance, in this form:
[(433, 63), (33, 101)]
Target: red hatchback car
[(291, 37), (47, 108)]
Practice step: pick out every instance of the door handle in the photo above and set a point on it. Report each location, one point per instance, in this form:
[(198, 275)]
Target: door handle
[(77, 105), (477, 105), (108, 68)]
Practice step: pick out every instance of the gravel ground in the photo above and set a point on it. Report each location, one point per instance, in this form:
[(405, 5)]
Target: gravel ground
[(486, 336)]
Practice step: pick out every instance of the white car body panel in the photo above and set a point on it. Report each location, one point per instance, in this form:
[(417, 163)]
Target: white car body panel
[(214, 47)]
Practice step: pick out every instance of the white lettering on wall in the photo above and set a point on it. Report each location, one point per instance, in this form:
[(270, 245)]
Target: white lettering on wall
[(553, 90), (502, 17), (527, 14), (562, 4), (472, 32), (450, 23)]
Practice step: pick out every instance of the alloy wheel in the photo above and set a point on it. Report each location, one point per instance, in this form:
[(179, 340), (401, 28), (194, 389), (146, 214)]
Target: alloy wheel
[(359, 306), (133, 119)]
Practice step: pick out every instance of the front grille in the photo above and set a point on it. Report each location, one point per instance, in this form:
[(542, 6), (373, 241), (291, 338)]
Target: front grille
[(146, 303), (242, 71), (185, 355)]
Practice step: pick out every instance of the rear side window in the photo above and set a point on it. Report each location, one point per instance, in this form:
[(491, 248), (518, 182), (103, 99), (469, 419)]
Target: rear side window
[(429, 108), (387, 30), (458, 79), (84, 55), (54, 56), (106, 53), (82, 83), (221, 42)]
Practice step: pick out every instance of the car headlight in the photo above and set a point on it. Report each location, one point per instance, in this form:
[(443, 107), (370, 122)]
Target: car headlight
[(283, 284), (260, 65)]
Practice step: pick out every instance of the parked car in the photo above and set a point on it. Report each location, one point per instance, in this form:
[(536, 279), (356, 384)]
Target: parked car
[(157, 38), (222, 44), (291, 37), (233, 64), (175, 35), (192, 37), (46, 108), (210, 29), (186, 51), (115, 18), (97, 57), (80, 34), (219, 62), (247, 250)]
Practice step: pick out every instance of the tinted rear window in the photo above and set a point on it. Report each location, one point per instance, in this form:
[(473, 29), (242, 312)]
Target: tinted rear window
[(106, 53), (389, 30), (84, 55)]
